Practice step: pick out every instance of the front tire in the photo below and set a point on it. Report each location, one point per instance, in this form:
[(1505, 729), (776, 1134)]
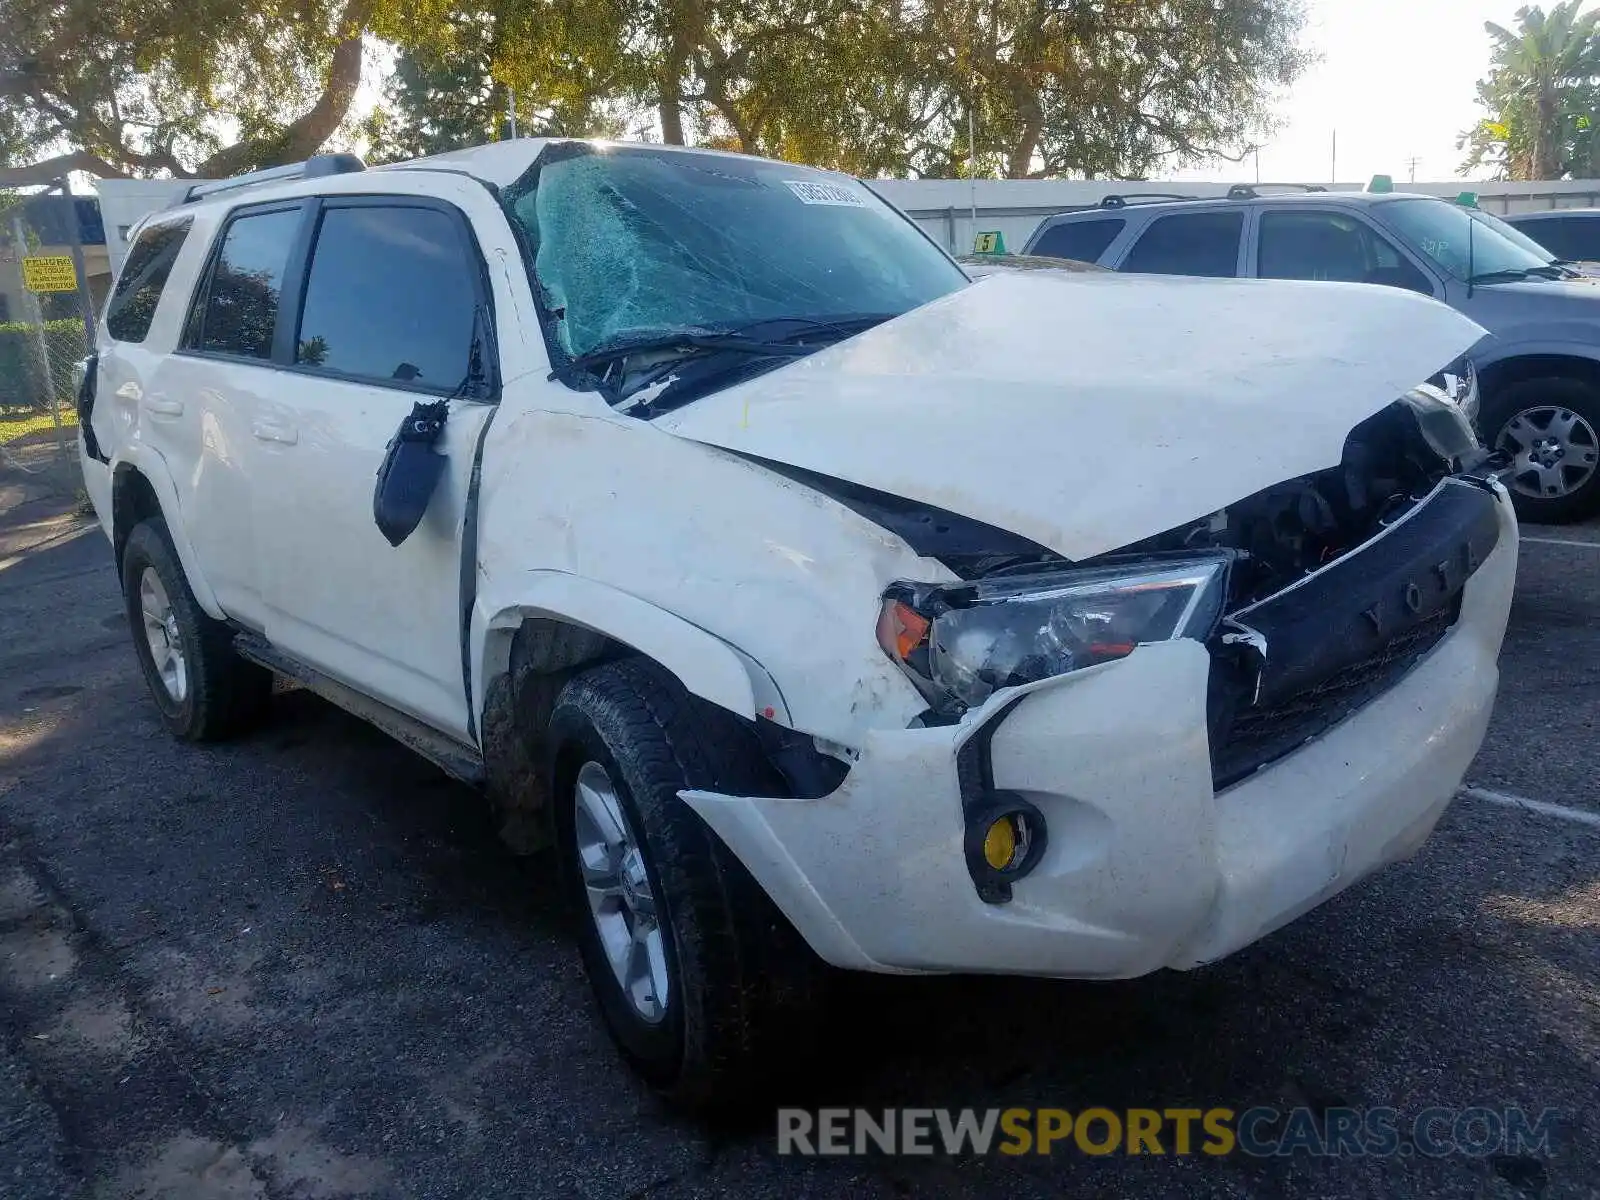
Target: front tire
[(1551, 429), (704, 986), (203, 690)]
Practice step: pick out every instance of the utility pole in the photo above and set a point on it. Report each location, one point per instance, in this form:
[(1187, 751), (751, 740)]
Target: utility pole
[(1411, 164), (1258, 164), (1333, 165)]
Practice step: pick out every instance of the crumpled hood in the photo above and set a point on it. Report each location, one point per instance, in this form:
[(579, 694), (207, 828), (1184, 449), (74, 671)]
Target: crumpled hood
[(1089, 412)]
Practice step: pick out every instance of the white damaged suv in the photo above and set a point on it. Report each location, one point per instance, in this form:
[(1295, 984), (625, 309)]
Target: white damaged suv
[(805, 601)]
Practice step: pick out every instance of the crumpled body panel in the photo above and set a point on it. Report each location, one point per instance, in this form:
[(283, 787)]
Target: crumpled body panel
[(1087, 412)]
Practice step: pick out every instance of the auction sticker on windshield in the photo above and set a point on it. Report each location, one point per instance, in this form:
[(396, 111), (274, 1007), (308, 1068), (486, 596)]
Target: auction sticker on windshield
[(811, 192)]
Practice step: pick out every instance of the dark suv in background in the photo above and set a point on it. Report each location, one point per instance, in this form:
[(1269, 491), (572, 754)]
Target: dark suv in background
[(1571, 234), (1538, 371)]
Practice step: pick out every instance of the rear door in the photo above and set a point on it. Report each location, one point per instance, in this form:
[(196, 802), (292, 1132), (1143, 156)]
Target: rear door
[(209, 397), (1207, 242), (388, 308)]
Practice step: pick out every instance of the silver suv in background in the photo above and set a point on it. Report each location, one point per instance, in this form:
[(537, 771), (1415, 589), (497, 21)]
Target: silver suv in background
[(1538, 371)]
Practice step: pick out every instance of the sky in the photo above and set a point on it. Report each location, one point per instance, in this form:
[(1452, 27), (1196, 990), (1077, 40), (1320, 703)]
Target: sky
[(1397, 80)]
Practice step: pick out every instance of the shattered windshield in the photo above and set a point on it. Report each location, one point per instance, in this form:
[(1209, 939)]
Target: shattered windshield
[(636, 243)]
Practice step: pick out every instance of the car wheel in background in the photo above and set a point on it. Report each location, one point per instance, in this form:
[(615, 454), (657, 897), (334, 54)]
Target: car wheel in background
[(1550, 428), (202, 688), (703, 984)]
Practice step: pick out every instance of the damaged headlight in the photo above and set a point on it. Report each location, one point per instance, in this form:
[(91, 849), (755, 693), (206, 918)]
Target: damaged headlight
[(962, 642), (1447, 408), (1459, 384)]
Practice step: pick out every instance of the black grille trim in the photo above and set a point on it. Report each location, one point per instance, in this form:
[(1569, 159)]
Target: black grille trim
[(1342, 637), (1256, 737)]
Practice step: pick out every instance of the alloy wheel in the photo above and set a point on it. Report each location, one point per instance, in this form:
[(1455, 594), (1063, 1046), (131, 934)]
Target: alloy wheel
[(621, 902), (163, 636), (1554, 451)]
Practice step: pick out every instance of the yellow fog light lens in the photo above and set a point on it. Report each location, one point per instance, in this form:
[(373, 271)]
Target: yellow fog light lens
[(1000, 843)]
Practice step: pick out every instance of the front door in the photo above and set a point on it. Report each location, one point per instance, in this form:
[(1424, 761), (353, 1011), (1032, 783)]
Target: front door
[(390, 316)]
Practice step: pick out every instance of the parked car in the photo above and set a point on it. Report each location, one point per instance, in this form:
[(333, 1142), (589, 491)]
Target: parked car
[(1572, 235), (805, 602), (1538, 371)]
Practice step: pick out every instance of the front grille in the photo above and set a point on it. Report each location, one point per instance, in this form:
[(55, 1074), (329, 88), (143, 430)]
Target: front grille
[(1255, 737)]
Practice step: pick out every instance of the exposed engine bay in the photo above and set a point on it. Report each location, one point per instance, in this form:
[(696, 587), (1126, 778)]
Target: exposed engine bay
[(1313, 596), (1294, 528)]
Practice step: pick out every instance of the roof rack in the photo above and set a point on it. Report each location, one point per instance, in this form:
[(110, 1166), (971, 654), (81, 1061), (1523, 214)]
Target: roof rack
[(1124, 199), (1252, 191), (314, 167)]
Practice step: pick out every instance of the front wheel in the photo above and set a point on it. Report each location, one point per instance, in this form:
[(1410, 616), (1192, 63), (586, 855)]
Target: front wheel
[(704, 986), (1551, 430)]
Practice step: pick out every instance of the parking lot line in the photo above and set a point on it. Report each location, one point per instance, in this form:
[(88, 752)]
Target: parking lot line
[(1544, 541), (1543, 808)]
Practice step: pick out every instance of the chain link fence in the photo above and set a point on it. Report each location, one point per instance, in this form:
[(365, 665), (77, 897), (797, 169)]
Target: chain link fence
[(42, 339)]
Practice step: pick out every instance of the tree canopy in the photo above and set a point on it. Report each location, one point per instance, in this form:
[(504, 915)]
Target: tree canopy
[(1542, 97), (1052, 87)]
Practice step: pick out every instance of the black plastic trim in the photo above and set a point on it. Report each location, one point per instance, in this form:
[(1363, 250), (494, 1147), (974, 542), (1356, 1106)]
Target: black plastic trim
[(982, 803)]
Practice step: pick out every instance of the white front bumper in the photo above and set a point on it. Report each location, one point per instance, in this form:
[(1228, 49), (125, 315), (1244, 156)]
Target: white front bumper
[(1147, 866)]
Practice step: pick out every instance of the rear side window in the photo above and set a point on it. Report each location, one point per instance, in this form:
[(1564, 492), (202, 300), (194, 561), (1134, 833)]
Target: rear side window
[(389, 297), (133, 303), (1083, 240), (1201, 243), (241, 306)]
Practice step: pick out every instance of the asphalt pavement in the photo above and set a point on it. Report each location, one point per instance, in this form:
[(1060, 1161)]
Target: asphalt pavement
[(299, 965)]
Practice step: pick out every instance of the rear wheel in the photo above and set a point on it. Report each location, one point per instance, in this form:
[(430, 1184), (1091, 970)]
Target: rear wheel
[(201, 687), (1551, 430), (704, 986)]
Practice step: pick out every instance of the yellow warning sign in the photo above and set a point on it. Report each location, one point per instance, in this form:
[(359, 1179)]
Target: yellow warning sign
[(49, 273)]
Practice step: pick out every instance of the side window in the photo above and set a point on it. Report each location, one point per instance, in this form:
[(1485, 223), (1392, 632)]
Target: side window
[(1200, 243), (389, 297), (1085, 241), (241, 303), (1334, 247), (133, 302)]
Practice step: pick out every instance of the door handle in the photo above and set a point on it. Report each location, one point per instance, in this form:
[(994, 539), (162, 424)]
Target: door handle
[(163, 408), (266, 429)]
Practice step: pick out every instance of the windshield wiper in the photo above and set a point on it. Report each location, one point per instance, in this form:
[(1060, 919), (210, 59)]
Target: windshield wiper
[(689, 343), (1516, 274)]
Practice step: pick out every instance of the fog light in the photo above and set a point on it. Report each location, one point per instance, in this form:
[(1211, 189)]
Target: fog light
[(1002, 843)]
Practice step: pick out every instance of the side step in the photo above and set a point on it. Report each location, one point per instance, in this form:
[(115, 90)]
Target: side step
[(463, 762)]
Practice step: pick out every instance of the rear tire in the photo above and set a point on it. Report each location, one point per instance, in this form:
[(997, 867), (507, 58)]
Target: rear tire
[(203, 690), (1551, 427), (729, 994)]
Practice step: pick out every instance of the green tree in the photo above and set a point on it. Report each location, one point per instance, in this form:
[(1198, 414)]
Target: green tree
[(453, 91), (208, 87), (1542, 95)]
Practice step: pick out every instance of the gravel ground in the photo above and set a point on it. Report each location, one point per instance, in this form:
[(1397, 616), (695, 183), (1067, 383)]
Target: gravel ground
[(299, 966)]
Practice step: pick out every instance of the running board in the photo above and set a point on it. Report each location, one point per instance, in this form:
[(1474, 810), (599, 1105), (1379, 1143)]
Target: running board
[(449, 755)]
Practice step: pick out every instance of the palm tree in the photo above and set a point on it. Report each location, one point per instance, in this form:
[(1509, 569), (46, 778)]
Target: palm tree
[(1537, 72)]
